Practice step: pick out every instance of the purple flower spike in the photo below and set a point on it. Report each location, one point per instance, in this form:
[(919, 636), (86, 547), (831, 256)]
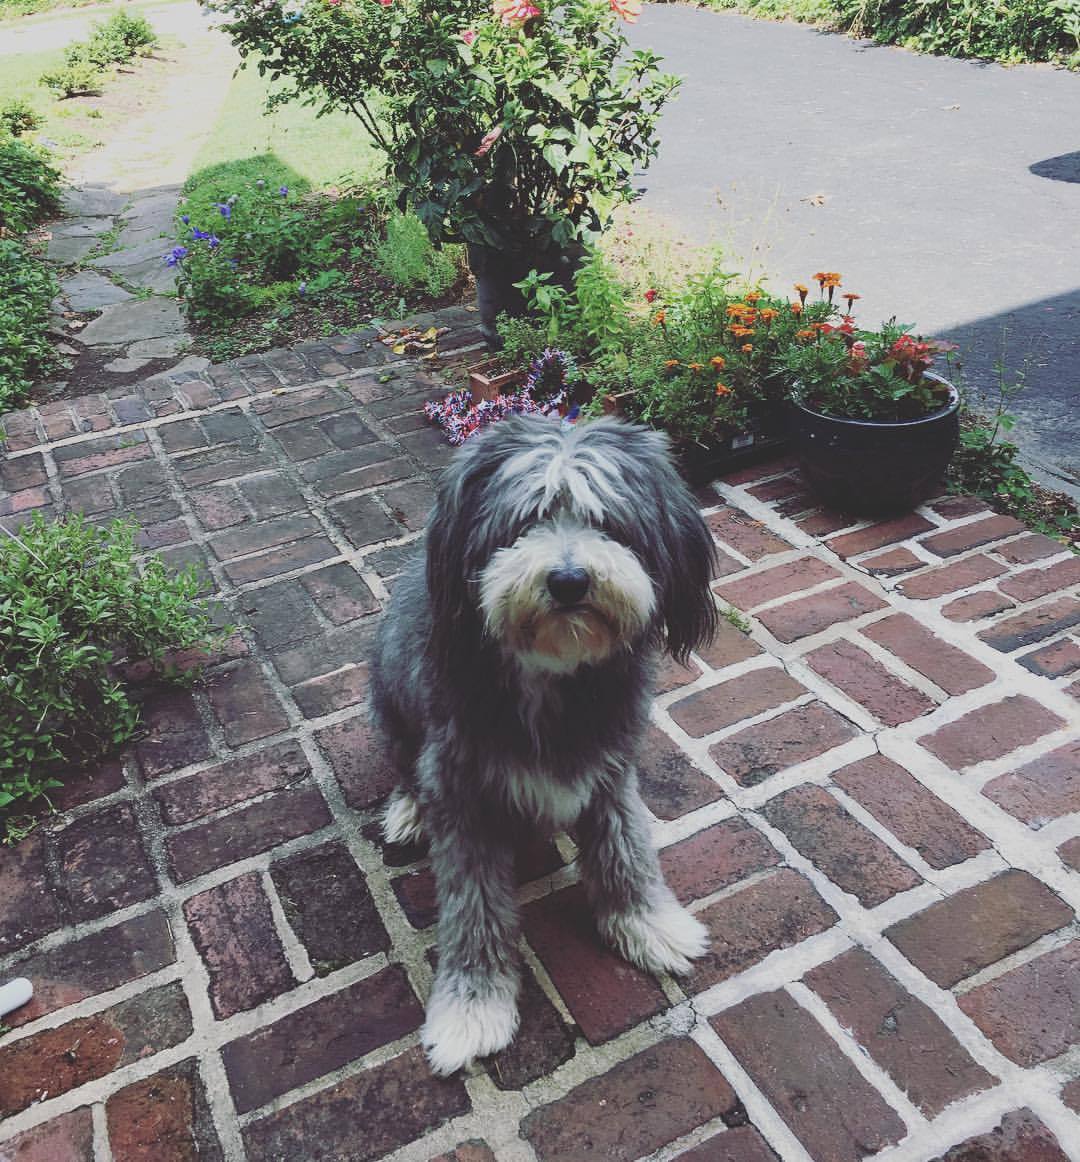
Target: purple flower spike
[(213, 241), (284, 191), (226, 210), (185, 218)]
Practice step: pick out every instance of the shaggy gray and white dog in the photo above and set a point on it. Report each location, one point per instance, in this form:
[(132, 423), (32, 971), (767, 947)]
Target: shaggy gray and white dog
[(512, 679)]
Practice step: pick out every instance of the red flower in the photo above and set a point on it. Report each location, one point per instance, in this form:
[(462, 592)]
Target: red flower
[(650, 295), (629, 10)]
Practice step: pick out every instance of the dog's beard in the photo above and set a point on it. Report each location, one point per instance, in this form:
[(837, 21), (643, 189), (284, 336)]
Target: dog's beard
[(520, 613)]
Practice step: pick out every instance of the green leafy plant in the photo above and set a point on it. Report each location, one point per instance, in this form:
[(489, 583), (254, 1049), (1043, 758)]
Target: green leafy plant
[(29, 186), (406, 256), (27, 287), (112, 42), (76, 77), (18, 117), (510, 126), (73, 602)]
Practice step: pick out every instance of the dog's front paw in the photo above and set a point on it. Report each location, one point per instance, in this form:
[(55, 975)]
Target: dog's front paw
[(663, 937), (461, 1025), (401, 819)]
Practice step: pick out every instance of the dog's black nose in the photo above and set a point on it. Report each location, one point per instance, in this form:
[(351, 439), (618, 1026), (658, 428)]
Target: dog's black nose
[(568, 586)]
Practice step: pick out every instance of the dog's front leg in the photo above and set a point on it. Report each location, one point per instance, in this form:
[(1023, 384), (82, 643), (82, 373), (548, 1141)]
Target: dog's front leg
[(472, 1010), (635, 909)]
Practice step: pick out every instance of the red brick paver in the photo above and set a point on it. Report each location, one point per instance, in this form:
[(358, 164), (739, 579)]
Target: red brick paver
[(229, 965)]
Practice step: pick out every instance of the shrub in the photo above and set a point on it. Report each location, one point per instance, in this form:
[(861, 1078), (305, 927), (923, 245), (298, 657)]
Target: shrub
[(406, 256), (29, 186), (27, 287), (18, 117), (73, 601), (78, 75), (119, 38), (259, 247)]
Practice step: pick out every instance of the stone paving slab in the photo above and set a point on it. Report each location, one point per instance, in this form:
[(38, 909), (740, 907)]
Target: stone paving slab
[(871, 796)]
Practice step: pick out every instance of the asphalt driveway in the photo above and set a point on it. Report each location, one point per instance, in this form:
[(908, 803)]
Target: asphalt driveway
[(947, 192)]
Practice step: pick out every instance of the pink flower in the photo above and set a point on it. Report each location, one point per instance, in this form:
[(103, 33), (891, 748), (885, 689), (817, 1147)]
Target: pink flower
[(386, 3), (488, 141), (469, 35), (629, 10), (514, 13)]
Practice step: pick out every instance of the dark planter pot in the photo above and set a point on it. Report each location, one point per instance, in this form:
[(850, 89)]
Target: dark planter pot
[(496, 271), (766, 435), (874, 468)]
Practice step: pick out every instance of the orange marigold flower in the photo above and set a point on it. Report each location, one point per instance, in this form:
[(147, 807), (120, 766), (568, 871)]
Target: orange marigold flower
[(796, 308), (739, 331), (736, 309), (820, 276), (746, 348), (696, 366), (723, 389), (719, 362), (803, 291), (807, 334), (850, 298), (832, 278), (767, 314), (659, 317), (669, 363), (752, 297)]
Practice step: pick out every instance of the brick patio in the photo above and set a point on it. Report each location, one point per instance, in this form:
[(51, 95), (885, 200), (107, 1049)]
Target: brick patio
[(872, 799)]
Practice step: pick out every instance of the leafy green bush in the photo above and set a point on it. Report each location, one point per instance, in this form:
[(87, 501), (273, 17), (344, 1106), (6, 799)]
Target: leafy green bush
[(29, 185), (1014, 31), (27, 287), (78, 75), (257, 248), (18, 117), (112, 42), (1007, 30), (72, 602), (406, 256), (119, 38)]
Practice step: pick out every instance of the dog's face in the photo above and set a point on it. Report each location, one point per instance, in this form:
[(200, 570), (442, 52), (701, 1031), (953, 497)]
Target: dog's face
[(567, 545)]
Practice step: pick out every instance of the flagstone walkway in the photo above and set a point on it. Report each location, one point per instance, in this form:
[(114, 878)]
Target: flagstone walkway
[(871, 797)]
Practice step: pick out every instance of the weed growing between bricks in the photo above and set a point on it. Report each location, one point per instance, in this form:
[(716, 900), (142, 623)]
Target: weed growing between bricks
[(868, 795)]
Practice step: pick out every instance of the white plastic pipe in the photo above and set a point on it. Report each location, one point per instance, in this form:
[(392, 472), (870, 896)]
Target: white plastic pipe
[(14, 994)]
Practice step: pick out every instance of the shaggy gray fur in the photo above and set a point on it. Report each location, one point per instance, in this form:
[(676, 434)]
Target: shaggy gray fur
[(459, 712)]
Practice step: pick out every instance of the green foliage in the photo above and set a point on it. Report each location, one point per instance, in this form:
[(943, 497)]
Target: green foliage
[(406, 256), (29, 186), (260, 247), (72, 602), (1002, 30), (985, 466), (27, 287), (522, 135), (120, 38), (78, 75), (112, 42), (18, 117), (870, 375), (522, 339), (1006, 30)]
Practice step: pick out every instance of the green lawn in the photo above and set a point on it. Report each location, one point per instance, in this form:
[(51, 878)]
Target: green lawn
[(290, 146)]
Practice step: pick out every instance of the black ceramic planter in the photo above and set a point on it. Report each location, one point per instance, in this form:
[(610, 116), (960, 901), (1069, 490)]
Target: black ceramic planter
[(496, 271), (873, 468)]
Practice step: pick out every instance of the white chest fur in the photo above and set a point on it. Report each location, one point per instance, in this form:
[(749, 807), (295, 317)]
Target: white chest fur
[(536, 795)]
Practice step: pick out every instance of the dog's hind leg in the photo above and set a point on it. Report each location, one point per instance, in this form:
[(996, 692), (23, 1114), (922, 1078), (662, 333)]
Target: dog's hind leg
[(635, 909), (472, 1010)]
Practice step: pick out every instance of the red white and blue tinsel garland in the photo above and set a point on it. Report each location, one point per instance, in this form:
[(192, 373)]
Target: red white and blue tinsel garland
[(545, 392)]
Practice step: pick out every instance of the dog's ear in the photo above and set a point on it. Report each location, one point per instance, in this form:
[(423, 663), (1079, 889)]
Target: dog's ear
[(679, 548), (460, 540)]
